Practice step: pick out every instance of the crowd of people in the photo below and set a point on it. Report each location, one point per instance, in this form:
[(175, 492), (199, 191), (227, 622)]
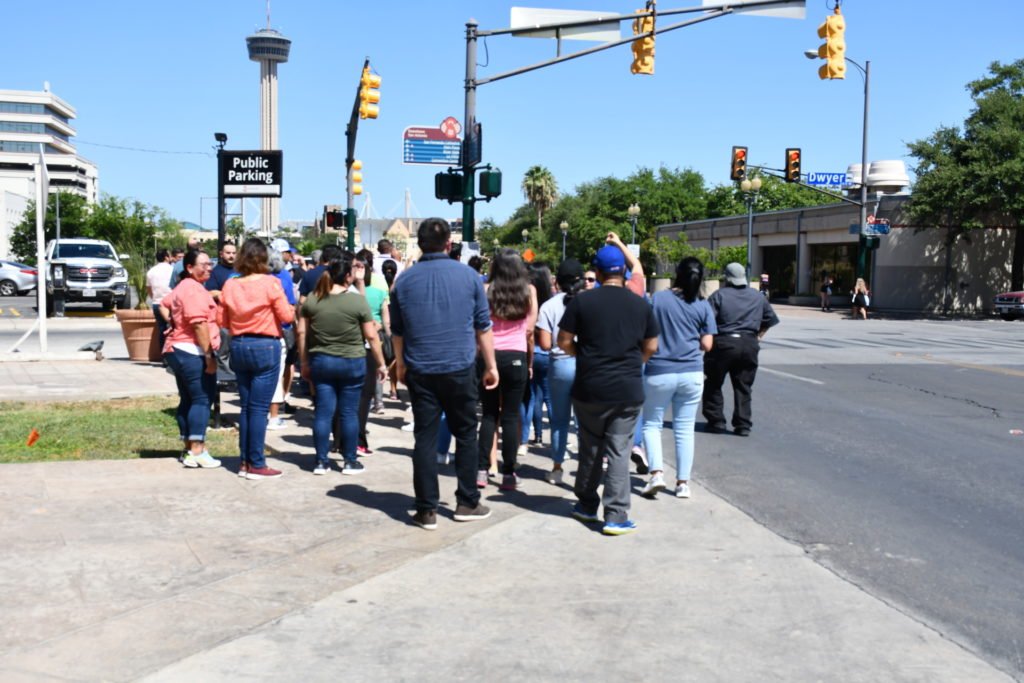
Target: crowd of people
[(483, 358)]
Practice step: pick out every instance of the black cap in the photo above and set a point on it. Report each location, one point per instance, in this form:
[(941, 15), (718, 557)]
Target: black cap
[(569, 268)]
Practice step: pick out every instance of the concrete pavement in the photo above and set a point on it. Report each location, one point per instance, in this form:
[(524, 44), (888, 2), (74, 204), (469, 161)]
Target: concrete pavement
[(121, 570)]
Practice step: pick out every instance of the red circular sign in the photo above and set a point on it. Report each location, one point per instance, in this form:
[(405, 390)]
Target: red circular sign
[(451, 127)]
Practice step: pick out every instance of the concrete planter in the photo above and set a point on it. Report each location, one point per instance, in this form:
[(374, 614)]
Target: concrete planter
[(141, 338)]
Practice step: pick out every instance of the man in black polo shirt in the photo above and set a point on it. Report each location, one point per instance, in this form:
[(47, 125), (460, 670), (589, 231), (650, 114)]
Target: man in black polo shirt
[(612, 332), (223, 271), (310, 278), (743, 316)]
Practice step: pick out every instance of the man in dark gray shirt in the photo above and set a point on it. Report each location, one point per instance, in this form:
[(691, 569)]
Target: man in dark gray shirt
[(743, 316)]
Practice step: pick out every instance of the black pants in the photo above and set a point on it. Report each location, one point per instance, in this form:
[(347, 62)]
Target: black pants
[(736, 357), (502, 404), (456, 394)]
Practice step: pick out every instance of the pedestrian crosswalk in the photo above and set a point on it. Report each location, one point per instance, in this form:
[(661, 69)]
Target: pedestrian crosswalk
[(894, 342)]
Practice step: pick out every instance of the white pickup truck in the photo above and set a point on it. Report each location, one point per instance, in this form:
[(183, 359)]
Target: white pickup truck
[(90, 271)]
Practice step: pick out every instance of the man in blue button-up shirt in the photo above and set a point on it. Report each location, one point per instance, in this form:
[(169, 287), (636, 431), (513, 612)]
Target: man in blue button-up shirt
[(439, 319)]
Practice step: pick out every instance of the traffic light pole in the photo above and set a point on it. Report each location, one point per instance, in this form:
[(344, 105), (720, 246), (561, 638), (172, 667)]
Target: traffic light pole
[(468, 168), (862, 251), (350, 156)]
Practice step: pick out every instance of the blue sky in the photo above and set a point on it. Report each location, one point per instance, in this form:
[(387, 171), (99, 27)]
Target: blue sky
[(165, 75)]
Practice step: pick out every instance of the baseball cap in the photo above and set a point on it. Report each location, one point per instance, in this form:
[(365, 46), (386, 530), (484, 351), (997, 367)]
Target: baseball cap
[(609, 259), (736, 275), (570, 268)]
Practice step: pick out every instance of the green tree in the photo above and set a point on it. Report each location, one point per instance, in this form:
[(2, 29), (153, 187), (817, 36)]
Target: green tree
[(975, 178), (74, 216), (540, 190)]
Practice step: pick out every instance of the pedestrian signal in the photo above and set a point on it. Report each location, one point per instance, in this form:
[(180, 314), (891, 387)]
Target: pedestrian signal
[(738, 170)]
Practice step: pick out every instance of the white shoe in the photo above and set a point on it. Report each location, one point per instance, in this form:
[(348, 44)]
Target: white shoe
[(445, 458), (321, 470), (522, 450), (276, 423), (652, 487), (408, 427), (682, 491), (555, 477)]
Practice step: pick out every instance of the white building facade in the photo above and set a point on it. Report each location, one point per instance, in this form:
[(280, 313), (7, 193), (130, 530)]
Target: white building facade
[(29, 119)]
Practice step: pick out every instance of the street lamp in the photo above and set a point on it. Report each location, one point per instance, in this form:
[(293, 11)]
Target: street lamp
[(866, 73), (564, 225), (222, 139), (633, 211), (750, 188), (526, 235)]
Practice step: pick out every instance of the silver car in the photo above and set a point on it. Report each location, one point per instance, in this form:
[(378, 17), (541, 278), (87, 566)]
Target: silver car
[(17, 278)]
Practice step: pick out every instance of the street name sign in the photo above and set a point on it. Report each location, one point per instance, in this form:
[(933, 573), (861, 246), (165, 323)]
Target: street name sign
[(877, 226), (831, 179), (252, 173), (430, 145)]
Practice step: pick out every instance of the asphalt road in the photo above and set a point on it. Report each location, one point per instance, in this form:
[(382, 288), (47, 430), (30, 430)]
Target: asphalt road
[(885, 450), (25, 306)]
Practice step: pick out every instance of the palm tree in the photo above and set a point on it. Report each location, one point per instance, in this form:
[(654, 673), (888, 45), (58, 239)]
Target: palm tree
[(540, 190)]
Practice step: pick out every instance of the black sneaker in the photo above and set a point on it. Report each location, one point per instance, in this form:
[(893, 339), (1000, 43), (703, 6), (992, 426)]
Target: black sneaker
[(742, 431), (425, 519), (464, 513), (716, 428), (353, 467)]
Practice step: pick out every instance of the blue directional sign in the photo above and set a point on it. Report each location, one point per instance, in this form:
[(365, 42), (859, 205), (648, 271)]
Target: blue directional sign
[(430, 145), (880, 226), (830, 179)]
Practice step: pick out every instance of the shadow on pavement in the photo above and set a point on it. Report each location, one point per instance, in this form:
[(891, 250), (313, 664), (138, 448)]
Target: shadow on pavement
[(397, 506)]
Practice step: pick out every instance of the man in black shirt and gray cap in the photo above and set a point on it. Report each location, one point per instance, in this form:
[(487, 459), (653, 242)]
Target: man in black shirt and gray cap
[(743, 316)]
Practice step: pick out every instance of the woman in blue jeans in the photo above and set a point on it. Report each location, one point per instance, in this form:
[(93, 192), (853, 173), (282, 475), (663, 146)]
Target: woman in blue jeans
[(561, 366), (335, 321), (675, 373), (538, 393)]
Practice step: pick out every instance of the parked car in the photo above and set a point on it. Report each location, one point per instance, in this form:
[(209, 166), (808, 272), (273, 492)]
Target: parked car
[(17, 278), (1009, 305)]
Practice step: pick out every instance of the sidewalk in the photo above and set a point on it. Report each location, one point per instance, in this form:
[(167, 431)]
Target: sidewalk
[(118, 570)]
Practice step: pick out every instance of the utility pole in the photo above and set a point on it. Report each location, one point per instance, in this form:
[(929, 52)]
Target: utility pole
[(468, 168)]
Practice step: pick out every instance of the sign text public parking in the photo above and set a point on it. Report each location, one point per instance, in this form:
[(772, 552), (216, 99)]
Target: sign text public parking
[(254, 173)]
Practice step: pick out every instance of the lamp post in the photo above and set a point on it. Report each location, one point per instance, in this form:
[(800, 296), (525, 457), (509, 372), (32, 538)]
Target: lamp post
[(564, 225), (526, 235), (222, 139), (750, 188), (633, 211), (496, 244), (866, 73)]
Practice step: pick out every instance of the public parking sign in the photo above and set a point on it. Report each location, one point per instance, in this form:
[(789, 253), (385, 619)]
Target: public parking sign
[(431, 145), (255, 173)]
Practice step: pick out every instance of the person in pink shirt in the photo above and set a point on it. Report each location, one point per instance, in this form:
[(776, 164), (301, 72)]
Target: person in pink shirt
[(254, 308), (513, 303), (190, 352)]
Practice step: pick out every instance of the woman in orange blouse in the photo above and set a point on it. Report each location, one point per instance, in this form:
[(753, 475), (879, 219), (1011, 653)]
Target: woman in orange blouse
[(190, 351), (254, 307)]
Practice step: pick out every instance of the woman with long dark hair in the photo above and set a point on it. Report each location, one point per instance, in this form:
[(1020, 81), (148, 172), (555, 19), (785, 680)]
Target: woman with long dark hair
[(254, 308), (376, 299), (561, 366), (513, 304), (190, 352), (675, 373), (537, 393), (335, 322)]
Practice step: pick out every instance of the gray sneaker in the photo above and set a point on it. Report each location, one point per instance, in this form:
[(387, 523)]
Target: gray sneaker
[(464, 513), (425, 519)]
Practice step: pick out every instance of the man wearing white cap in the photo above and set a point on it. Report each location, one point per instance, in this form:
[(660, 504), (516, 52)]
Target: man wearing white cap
[(743, 316)]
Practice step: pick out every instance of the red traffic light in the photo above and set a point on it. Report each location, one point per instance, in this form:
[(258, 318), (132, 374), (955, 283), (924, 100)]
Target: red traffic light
[(793, 165), (738, 168)]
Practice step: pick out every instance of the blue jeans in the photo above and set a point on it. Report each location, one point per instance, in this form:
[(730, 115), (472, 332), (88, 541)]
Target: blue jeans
[(683, 390), (538, 394), (195, 389), (256, 363), (339, 383), (561, 375)]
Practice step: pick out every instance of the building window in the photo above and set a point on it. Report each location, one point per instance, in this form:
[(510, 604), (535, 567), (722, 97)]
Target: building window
[(837, 260)]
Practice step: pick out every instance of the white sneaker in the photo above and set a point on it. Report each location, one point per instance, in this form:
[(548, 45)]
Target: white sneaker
[(652, 487), (555, 477), (204, 459), (276, 423), (408, 427), (522, 450), (682, 491), (321, 470), (445, 458)]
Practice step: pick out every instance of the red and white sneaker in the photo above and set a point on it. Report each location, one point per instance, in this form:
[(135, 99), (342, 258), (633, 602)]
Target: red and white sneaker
[(262, 473)]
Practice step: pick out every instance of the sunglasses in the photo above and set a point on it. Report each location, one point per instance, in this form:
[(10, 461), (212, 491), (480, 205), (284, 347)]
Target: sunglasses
[(590, 279)]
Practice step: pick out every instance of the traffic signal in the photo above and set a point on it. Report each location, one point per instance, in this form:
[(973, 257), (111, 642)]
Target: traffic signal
[(833, 50), (738, 170), (369, 95), (490, 183), (448, 186), (643, 48), (869, 241), (357, 177), (334, 218), (793, 165)]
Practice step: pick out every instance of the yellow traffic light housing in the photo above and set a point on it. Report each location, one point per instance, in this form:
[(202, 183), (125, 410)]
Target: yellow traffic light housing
[(793, 165), (369, 95), (833, 50), (356, 176), (643, 48), (738, 169)]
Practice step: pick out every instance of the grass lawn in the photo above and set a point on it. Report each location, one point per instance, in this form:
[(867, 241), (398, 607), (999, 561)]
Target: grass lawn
[(98, 430)]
